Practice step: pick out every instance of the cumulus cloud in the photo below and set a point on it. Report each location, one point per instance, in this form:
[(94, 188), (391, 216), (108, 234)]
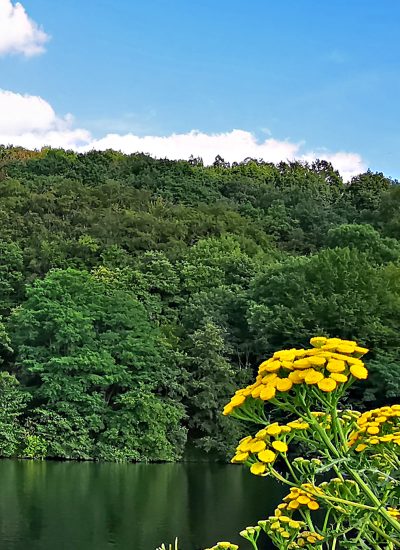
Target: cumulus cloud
[(18, 33), (231, 146), (31, 122)]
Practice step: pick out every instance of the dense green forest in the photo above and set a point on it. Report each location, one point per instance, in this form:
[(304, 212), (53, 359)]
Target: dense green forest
[(137, 294)]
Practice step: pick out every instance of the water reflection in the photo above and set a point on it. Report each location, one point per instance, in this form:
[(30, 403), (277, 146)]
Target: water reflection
[(85, 506)]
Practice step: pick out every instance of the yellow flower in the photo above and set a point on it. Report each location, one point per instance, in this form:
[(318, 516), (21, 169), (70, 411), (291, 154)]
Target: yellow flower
[(267, 393), (258, 446), (273, 429), (313, 377), (227, 409), (272, 367), (294, 524), (327, 385), (298, 425), (284, 384), (360, 447), (373, 430), (239, 458), (256, 392), (317, 361), (336, 365), (303, 499), (313, 505), (346, 348), (358, 371), (295, 377), (238, 400), (258, 468), (318, 341), (266, 456), (338, 377), (245, 446), (280, 446), (303, 363), (226, 546), (293, 505), (268, 378)]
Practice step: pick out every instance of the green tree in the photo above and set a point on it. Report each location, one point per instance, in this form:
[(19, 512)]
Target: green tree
[(211, 378), (365, 238), (13, 404), (81, 345), (335, 292)]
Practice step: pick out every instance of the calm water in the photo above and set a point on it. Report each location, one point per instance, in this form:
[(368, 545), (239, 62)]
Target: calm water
[(85, 506)]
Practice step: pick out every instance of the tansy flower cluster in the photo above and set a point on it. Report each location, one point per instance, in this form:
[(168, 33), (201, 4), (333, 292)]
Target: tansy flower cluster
[(289, 533), (264, 448), (283, 526), (304, 496), (307, 539), (331, 362), (378, 426), (224, 546)]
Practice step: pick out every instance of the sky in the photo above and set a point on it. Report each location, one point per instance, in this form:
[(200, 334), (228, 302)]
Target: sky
[(272, 79)]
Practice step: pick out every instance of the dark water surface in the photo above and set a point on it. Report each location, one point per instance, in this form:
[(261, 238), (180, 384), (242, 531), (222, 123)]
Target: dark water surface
[(86, 506)]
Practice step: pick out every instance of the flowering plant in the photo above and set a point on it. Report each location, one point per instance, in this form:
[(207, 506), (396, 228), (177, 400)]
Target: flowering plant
[(350, 473)]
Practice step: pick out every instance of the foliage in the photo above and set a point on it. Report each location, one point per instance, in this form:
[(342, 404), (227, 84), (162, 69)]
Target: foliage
[(90, 357), (351, 470), (123, 272), (13, 403)]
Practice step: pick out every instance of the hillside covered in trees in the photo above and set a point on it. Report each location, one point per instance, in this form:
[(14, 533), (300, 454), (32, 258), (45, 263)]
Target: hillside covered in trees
[(136, 294)]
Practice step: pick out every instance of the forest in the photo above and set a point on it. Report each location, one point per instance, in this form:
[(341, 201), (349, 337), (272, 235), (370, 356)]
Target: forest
[(137, 294)]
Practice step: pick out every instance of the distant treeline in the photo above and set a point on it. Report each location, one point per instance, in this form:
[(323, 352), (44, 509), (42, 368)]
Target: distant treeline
[(136, 294)]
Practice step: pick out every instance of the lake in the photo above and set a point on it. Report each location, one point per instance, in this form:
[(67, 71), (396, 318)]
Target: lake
[(89, 506)]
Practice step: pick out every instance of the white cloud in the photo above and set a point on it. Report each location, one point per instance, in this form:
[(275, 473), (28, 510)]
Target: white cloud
[(231, 146), (31, 122), (18, 33), (348, 164)]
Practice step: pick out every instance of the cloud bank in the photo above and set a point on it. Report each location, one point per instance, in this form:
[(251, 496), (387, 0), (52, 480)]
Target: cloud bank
[(31, 122), (18, 33)]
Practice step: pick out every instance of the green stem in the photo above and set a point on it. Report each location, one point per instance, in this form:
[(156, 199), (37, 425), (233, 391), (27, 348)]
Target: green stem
[(290, 469), (384, 535), (328, 513), (395, 524), (372, 542)]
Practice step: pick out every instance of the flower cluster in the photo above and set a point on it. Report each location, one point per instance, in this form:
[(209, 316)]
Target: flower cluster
[(301, 496), (264, 447), (287, 532), (307, 538), (224, 546), (331, 362), (375, 427), (361, 500)]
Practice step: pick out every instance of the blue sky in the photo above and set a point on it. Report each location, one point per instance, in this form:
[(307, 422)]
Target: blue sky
[(320, 74)]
